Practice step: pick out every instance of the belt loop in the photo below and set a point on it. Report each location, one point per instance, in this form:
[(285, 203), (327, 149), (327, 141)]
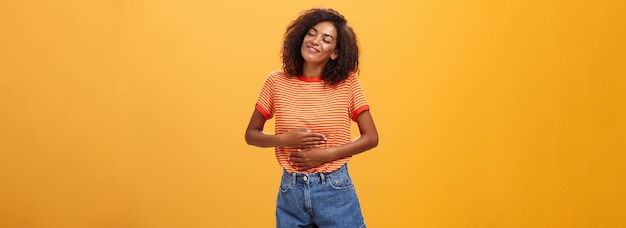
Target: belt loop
[(293, 179), (322, 177)]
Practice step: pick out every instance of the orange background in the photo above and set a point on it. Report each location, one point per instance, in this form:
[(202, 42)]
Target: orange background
[(490, 113)]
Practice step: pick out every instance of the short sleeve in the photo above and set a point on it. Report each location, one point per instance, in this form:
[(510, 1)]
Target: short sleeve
[(265, 103), (356, 98)]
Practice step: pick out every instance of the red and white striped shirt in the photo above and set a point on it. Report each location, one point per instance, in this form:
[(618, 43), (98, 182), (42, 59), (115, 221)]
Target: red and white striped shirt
[(300, 102)]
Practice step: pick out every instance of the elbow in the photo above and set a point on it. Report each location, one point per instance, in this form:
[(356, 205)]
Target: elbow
[(252, 138), (248, 139), (373, 141)]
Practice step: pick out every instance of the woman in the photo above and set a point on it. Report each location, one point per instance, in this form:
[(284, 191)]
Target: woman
[(314, 98)]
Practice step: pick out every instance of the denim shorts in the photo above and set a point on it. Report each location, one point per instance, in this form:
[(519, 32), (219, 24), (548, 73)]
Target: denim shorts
[(322, 200)]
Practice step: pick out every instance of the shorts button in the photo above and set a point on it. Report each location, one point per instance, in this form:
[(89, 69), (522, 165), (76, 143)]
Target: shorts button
[(305, 178)]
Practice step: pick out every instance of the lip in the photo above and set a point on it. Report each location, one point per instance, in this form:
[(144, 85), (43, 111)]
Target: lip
[(312, 49)]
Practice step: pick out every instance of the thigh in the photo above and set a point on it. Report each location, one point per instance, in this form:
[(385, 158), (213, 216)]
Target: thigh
[(290, 205), (336, 203)]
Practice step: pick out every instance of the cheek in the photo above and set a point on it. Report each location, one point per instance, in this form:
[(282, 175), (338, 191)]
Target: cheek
[(306, 39), (330, 49)]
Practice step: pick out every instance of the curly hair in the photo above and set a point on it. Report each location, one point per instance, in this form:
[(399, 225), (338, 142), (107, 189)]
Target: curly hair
[(335, 71)]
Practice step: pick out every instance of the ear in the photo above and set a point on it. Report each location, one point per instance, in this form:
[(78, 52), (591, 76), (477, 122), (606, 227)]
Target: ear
[(334, 55)]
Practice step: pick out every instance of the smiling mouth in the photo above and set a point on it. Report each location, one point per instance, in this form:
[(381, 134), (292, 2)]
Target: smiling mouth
[(312, 49)]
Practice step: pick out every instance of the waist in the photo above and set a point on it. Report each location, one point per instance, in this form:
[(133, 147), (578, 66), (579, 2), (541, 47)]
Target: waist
[(318, 177)]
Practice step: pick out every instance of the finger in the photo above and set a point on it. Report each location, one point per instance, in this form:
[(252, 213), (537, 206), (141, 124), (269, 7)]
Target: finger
[(302, 129), (300, 167), (306, 149), (315, 139), (312, 144), (297, 161), (295, 156), (295, 164), (315, 135), (305, 167), (305, 131)]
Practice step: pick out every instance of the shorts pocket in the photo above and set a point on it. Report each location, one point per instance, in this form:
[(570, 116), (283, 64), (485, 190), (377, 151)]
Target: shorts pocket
[(340, 182), (285, 183)]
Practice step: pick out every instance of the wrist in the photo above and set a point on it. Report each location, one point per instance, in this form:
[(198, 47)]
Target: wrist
[(280, 140), (332, 154)]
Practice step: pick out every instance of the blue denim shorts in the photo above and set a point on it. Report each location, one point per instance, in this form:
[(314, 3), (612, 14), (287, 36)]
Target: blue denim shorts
[(322, 200)]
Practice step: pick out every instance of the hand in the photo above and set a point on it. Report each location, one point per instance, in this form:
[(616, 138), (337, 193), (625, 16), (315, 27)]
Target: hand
[(302, 138), (306, 159)]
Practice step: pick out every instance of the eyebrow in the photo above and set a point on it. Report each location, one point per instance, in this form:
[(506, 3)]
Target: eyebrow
[(314, 29)]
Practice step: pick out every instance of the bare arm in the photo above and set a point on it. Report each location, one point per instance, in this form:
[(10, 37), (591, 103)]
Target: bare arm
[(313, 157), (297, 138), (255, 135), (367, 140)]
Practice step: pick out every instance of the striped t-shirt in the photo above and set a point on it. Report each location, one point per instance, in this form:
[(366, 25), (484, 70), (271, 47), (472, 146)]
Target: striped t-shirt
[(300, 102)]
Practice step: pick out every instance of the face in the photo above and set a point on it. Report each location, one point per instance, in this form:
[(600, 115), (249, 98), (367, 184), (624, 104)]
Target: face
[(319, 43)]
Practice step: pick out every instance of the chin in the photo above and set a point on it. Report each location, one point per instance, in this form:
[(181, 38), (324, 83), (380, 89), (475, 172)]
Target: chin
[(309, 59)]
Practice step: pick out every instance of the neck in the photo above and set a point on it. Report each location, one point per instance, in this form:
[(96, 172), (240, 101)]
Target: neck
[(311, 71)]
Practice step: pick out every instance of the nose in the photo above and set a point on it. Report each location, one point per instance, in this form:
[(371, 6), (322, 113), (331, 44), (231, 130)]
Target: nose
[(316, 40)]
